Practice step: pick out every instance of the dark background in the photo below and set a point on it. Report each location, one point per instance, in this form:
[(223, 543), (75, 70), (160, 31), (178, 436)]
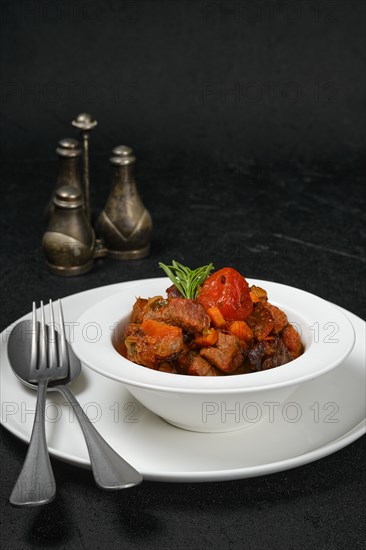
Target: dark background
[(263, 80), (248, 122)]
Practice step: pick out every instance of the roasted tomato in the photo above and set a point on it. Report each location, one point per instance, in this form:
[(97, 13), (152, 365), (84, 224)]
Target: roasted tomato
[(229, 291)]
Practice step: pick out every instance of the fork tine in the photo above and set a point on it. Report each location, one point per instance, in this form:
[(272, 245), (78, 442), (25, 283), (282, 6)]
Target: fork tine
[(64, 356), (42, 364), (52, 344), (33, 361)]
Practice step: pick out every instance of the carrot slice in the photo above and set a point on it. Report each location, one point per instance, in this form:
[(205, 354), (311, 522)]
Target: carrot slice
[(207, 339), (157, 331), (254, 297), (241, 330), (258, 294), (217, 318)]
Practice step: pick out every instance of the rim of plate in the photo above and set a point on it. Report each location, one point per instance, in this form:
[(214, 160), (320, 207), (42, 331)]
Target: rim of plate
[(327, 333)]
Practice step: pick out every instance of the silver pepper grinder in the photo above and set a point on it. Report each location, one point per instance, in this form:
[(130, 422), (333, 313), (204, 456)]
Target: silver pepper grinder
[(125, 224), (69, 240), (69, 153), (85, 123)]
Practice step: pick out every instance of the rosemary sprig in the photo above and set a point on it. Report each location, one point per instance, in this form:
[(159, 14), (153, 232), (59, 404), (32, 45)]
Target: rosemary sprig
[(187, 280)]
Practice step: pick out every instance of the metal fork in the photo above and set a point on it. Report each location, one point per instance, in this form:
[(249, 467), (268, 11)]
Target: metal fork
[(49, 361)]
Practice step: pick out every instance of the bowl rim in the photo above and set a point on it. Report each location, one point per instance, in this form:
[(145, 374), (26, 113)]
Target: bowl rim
[(319, 356)]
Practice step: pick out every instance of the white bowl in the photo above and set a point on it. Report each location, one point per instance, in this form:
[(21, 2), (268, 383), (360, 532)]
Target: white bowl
[(216, 403)]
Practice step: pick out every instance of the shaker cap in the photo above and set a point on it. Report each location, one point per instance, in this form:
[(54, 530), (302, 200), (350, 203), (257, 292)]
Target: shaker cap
[(68, 147), (122, 155), (84, 121), (68, 196)]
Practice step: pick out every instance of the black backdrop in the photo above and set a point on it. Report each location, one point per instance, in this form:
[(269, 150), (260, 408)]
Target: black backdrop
[(265, 81), (248, 122)]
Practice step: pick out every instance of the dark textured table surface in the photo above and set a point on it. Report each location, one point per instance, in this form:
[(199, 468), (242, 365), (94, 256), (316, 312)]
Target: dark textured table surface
[(291, 224)]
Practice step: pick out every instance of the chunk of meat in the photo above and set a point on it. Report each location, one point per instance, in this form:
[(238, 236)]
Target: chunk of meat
[(275, 354), (151, 342), (174, 292), (226, 355), (138, 310), (192, 363), (167, 367), (268, 354), (186, 314), (142, 306), (260, 321), (278, 316), (292, 341)]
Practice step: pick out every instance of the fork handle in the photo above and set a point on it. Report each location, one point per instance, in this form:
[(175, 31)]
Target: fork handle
[(110, 470), (36, 483)]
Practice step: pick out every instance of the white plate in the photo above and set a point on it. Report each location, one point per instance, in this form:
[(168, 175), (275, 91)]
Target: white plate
[(322, 417)]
